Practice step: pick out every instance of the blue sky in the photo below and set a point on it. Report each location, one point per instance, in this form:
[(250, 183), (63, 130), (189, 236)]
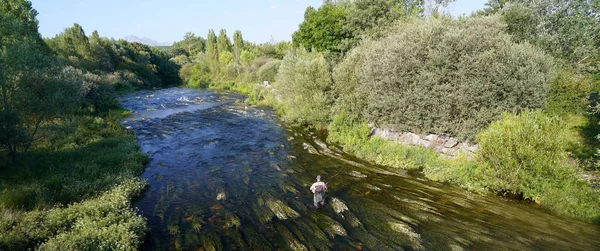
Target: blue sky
[(169, 20)]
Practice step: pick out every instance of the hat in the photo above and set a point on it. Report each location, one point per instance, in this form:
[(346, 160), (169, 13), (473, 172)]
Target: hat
[(318, 177)]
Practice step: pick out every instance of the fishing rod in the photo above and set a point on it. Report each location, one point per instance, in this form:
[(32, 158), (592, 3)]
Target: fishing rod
[(338, 172)]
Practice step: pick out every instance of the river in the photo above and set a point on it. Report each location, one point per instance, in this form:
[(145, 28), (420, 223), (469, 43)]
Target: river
[(224, 175)]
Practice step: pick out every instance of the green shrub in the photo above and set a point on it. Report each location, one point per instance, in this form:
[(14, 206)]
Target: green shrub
[(569, 92), (200, 73), (303, 87), (449, 76), (107, 222), (522, 150), (346, 84), (526, 154), (268, 72), (75, 160)]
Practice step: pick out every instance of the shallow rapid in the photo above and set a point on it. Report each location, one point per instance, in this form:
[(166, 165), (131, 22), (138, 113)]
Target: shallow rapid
[(225, 175)]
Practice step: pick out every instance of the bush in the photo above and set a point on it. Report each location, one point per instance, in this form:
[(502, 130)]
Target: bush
[(268, 72), (346, 84), (200, 73), (521, 150), (303, 87), (103, 223), (569, 92), (449, 76), (526, 154)]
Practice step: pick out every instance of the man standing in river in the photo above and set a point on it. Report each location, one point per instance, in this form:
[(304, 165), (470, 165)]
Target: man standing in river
[(318, 188)]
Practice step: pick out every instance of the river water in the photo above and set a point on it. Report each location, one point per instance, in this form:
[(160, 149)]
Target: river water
[(226, 176)]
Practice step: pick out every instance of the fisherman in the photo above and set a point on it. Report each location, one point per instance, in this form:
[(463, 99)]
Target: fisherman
[(318, 188)]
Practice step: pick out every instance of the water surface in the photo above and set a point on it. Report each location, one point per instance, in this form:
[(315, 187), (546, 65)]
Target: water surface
[(227, 176)]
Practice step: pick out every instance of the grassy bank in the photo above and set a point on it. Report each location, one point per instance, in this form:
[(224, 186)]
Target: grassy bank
[(523, 169), (74, 190)]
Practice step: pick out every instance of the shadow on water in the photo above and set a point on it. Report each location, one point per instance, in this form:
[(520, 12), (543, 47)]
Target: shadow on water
[(232, 177)]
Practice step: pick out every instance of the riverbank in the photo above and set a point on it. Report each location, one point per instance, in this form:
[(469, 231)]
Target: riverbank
[(566, 195), (74, 190)]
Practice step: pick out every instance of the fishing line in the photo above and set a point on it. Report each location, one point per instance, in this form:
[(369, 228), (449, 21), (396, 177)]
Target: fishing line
[(341, 168)]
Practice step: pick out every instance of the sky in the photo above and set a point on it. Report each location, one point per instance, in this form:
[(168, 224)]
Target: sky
[(168, 20)]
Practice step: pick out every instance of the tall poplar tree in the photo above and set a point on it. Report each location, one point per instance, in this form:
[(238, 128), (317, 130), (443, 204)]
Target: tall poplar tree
[(212, 50), (238, 46), (223, 41)]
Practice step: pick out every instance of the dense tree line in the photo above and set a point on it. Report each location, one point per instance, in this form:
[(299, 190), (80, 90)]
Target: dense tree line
[(43, 79), (219, 59), (61, 142)]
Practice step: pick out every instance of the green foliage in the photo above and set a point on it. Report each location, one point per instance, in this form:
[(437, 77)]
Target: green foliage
[(32, 89), (450, 76), (226, 58), (566, 29), (103, 223), (238, 42), (525, 154), (570, 92), (346, 84), (521, 150), (200, 72), (78, 158), (322, 30), (354, 136), (190, 45), (268, 72), (212, 50), (247, 57), (303, 85), (370, 18), (101, 56), (223, 42), (338, 26), (75, 160)]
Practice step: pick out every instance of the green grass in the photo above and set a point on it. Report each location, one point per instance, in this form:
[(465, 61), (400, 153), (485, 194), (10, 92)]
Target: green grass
[(73, 191)]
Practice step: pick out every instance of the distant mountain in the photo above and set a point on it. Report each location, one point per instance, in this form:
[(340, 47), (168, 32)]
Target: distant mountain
[(146, 41)]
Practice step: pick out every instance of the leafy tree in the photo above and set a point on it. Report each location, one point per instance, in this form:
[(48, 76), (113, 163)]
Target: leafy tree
[(100, 59), (238, 47), (190, 45), (303, 85), (226, 58), (527, 154), (247, 57), (223, 42), (338, 26), (238, 42), (212, 50), (322, 29), (446, 76), (32, 90), (568, 29), (370, 18), (73, 46)]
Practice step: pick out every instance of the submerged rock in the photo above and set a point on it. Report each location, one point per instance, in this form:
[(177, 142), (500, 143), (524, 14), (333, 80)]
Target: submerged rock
[(338, 206), (311, 149), (281, 210)]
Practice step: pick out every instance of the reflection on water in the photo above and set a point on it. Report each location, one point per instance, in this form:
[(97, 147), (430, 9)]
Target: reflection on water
[(225, 176)]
